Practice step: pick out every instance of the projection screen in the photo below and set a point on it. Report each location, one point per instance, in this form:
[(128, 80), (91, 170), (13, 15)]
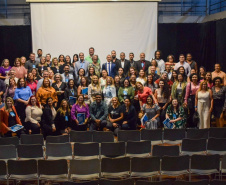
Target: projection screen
[(69, 28)]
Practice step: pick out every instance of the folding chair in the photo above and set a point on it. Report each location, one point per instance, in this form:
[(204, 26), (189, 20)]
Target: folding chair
[(173, 136), (165, 182), (56, 170), (58, 151), (217, 182), (99, 136), (128, 135), (57, 139), (216, 146), (175, 166), (160, 151), (3, 170), (193, 146), (138, 148), (145, 167), (115, 167), (8, 152), (23, 170), (32, 139), (217, 132), (81, 183), (86, 151), (193, 133), (30, 151), (155, 136), (199, 182), (113, 149), (81, 136), (116, 182), (9, 141), (205, 164), (85, 169)]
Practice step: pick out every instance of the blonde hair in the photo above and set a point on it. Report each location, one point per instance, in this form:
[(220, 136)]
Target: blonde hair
[(137, 84), (17, 59), (112, 81), (6, 107), (60, 110), (3, 62), (118, 103), (53, 65), (83, 100), (200, 86), (58, 74)]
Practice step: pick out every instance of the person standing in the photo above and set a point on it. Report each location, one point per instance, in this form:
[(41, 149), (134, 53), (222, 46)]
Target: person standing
[(204, 105)]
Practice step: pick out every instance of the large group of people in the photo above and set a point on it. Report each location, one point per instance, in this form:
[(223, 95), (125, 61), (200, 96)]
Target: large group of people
[(54, 96)]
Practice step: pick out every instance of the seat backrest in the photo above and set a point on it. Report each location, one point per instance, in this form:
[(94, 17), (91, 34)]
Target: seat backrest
[(9, 141), (81, 136), (85, 167), (199, 182), (81, 183), (165, 151), (52, 167), (8, 152), (128, 135), (223, 162), (30, 151), (99, 136), (217, 132), (57, 139), (217, 182), (151, 135), (138, 147), (172, 163), (216, 144), (116, 182), (22, 167), (114, 165), (3, 170), (194, 145), (113, 149), (58, 149), (149, 164), (198, 133), (174, 134), (86, 149), (32, 139), (205, 162), (142, 182)]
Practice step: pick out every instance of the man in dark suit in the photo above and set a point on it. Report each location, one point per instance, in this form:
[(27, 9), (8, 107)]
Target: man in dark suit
[(143, 64), (109, 66), (113, 55), (131, 61), (123, 63)]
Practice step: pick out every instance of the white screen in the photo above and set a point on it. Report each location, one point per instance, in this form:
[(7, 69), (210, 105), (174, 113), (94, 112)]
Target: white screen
[(69, 28)]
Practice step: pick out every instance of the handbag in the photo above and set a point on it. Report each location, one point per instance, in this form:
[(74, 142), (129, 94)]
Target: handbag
[(191, 99)]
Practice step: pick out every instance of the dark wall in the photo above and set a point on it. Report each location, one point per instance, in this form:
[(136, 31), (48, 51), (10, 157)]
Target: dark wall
[(15, 41), (206, 42)]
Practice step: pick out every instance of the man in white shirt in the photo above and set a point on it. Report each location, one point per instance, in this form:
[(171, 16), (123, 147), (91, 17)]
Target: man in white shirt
[(184, 64), (160, 62)]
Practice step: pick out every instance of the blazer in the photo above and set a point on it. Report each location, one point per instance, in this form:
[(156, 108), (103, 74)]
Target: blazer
[(4, 115), (126, 66), (68, 93), (70, 76), (78, 66), (139, 66), (112, 73)]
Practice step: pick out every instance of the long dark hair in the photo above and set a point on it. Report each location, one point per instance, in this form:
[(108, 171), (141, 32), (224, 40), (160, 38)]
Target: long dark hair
[(171, 106), (165, 92)]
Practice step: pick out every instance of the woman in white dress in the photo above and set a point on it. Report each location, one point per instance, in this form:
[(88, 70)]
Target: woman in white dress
[(204, 105), (109, 90)]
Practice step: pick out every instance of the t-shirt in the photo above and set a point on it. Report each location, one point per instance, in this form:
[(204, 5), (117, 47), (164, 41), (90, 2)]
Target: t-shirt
[(115, 113)]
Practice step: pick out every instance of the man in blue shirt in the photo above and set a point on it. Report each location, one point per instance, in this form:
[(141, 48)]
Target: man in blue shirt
[(110, 67), (81, 64)]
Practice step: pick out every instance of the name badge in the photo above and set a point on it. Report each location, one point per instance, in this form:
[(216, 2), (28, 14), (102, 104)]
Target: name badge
[(12, 114), (66, 118), (125, 92), (142, 64), (66, 80), (33, 66)]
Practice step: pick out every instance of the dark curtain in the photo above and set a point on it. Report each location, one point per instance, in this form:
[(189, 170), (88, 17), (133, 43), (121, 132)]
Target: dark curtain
[(15, 41)]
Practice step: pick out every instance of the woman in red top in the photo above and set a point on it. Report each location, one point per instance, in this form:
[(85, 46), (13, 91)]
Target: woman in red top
[(9, 118), (143, 93), (31, 82)]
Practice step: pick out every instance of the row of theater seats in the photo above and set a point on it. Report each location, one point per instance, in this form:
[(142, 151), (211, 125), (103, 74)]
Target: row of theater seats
[(94, 150), (109, 168), (159, 136)]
